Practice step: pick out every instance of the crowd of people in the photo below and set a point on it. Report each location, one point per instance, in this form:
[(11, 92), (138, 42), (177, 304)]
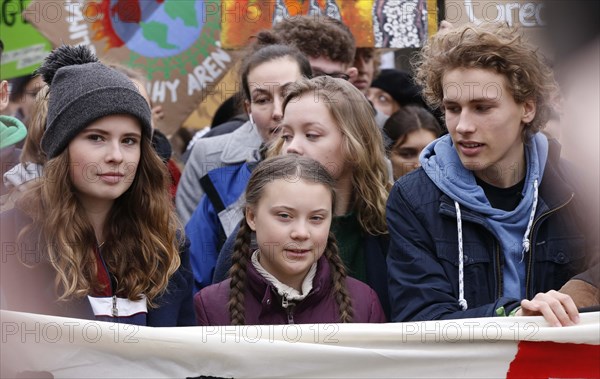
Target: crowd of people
[(333, 192)]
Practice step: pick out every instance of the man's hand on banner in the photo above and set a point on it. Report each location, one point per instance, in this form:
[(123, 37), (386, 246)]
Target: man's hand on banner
[(557, 308)]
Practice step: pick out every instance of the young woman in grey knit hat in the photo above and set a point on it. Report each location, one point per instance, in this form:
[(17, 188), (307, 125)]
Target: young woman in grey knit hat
[(97, 236)]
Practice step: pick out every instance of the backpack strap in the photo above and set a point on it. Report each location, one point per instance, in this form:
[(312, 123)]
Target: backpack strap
[(213, 196), (212, 193)]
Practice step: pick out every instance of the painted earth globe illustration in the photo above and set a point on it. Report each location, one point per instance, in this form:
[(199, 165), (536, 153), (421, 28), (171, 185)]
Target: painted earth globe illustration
[(157, 28)]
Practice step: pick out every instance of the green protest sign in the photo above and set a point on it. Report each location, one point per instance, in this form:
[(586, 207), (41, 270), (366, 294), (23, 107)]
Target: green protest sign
[(24, 46)]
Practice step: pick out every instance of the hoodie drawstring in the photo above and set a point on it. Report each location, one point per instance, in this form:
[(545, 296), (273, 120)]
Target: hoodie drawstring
[(526, 242), (461, 284), (526, 245)]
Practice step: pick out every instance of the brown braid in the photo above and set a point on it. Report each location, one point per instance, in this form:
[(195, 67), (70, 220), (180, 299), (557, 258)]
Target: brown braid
[(338, 271), (237, 273), (286, 167)]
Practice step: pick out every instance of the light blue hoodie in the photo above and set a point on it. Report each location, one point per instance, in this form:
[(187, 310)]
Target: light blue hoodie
[(443, 166)]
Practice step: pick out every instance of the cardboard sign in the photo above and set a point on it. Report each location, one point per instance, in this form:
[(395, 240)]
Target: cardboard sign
[(175, 43)]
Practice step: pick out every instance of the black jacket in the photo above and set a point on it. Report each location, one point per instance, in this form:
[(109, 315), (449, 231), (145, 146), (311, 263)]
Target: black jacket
[(423, 255)]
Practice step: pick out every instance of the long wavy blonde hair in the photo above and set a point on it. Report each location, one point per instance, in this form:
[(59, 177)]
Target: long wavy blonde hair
[(362, 145), (143, 234)]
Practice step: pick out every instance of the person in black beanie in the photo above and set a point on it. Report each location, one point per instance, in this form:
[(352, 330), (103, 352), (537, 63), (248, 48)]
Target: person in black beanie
[(97, 236), (393, 89)]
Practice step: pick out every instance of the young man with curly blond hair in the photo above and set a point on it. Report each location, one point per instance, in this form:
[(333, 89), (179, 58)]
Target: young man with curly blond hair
[(491, 224)]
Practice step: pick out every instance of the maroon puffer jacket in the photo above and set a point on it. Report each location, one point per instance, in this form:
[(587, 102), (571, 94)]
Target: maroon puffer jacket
[(263, 303)]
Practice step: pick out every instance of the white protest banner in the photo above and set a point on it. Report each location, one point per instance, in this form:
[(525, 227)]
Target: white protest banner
[(488, 347)]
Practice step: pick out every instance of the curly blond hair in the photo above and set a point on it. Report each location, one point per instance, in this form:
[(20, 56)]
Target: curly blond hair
[(491, 46)]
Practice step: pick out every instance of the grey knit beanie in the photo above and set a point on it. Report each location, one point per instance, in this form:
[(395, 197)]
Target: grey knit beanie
[(82, 90)]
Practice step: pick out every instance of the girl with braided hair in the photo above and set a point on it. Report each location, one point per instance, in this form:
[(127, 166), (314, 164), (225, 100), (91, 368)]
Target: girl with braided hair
[(296, 275), (330, 121)]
